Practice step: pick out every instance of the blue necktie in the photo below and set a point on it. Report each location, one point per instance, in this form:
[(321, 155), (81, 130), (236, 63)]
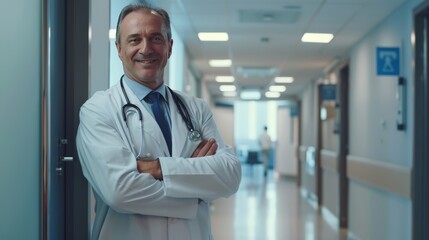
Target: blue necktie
[(154, 98)]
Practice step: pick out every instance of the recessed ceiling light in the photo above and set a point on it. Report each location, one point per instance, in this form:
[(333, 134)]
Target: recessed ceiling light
[(220, 63), (272, 94), (250, 95), (213, 36), (283, 79), (317, 37), (277, 88), (224, 79), (227, 88)]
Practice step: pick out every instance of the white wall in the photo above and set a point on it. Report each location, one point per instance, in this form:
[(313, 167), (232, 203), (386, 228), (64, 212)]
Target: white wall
[(224, 117), (375, 214), (285, 154), (373, 105), (20, 128), (309, 115)]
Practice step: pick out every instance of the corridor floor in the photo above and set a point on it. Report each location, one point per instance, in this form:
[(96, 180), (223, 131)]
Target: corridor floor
[(270, 208)]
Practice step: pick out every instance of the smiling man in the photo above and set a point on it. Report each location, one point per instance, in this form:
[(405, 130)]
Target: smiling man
[(144, 45), (153, 156)]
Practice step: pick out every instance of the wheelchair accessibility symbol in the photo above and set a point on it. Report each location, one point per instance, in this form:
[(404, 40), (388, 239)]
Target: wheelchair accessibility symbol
[(387, 61)]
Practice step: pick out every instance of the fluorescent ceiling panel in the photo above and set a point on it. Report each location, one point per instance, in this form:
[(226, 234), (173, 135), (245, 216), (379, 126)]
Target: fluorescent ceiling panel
[(272, 94), (224, 79), (213, 36), (283, 79), (220, 63), (277, 88), (317, 37), (227, 88)]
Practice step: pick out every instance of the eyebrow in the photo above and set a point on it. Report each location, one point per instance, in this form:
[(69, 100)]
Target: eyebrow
[(134, 35)]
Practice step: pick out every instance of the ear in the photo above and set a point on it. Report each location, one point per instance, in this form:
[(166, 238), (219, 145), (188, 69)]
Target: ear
[(170, 47), (119, 49)]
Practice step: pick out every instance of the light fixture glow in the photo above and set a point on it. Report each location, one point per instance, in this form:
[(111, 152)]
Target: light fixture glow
[(229, 94), (277, 88), (250, 95), (213, 36), (220, 63), (112, 34), (224, 79), (227, 88), (317, 37), (283, 79), (272, 94)]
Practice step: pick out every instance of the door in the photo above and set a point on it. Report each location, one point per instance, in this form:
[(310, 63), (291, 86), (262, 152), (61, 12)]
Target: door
[(65, 74)]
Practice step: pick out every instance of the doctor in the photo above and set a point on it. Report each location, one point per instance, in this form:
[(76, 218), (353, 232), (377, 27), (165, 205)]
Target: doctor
[(151, 182)]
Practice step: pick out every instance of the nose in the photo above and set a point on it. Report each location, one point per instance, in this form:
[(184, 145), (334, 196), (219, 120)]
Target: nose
[(145, 47)]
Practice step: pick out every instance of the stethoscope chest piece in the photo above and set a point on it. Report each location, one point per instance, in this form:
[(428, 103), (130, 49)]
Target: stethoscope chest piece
[(194, 135)]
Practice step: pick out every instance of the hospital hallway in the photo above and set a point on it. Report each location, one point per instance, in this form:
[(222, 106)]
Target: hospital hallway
[(269, 208), (340, 86)]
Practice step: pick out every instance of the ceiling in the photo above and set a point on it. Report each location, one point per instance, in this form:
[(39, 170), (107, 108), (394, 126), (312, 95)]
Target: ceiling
[(265, 37)]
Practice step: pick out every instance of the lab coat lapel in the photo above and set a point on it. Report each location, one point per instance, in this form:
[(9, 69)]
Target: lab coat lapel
[(179, 130), (150, 126)]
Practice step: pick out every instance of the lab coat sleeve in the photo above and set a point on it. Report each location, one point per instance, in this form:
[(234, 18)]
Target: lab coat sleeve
[(208, 177), (111, 167)]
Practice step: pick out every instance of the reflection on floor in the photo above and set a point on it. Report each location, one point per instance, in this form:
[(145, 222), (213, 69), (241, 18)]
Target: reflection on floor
[(270, 208)]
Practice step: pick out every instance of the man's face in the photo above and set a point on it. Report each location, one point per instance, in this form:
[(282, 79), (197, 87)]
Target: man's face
[(144, 47)]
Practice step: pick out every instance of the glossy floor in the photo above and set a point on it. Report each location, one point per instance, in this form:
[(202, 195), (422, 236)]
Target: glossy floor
[(270, 208)]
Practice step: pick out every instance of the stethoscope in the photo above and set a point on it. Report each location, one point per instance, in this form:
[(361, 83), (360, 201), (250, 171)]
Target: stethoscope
[(193, 134)]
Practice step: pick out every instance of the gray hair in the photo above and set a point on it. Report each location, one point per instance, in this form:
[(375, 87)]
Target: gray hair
[(141, 6)]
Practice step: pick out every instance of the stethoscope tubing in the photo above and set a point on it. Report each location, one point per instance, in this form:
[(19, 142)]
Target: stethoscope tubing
[(183, 111)]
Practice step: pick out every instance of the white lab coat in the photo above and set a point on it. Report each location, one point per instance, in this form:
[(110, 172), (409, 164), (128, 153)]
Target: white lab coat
[(131, 205)]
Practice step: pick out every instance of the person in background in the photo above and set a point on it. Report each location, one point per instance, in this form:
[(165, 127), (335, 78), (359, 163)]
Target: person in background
[(265, 143), (153, 156)]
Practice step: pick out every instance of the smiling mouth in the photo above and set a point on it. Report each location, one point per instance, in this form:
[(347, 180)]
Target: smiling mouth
[(146, 61)]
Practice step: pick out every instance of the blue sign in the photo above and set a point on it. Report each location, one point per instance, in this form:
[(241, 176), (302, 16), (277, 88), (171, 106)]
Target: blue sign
[(388, 61), (294, 111), (328, 91)]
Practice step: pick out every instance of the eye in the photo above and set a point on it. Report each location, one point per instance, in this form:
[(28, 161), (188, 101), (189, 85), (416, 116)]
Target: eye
[(133, 41), (158, 39)]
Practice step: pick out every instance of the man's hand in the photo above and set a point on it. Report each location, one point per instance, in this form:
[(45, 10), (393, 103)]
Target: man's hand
[(153, 167), (205, 148)]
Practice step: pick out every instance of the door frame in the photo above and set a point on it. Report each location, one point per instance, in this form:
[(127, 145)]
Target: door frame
[(343, 150), (420, 172)]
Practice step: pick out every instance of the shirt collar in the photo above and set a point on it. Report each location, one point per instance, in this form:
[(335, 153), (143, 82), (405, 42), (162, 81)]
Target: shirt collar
[(141, 91)]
